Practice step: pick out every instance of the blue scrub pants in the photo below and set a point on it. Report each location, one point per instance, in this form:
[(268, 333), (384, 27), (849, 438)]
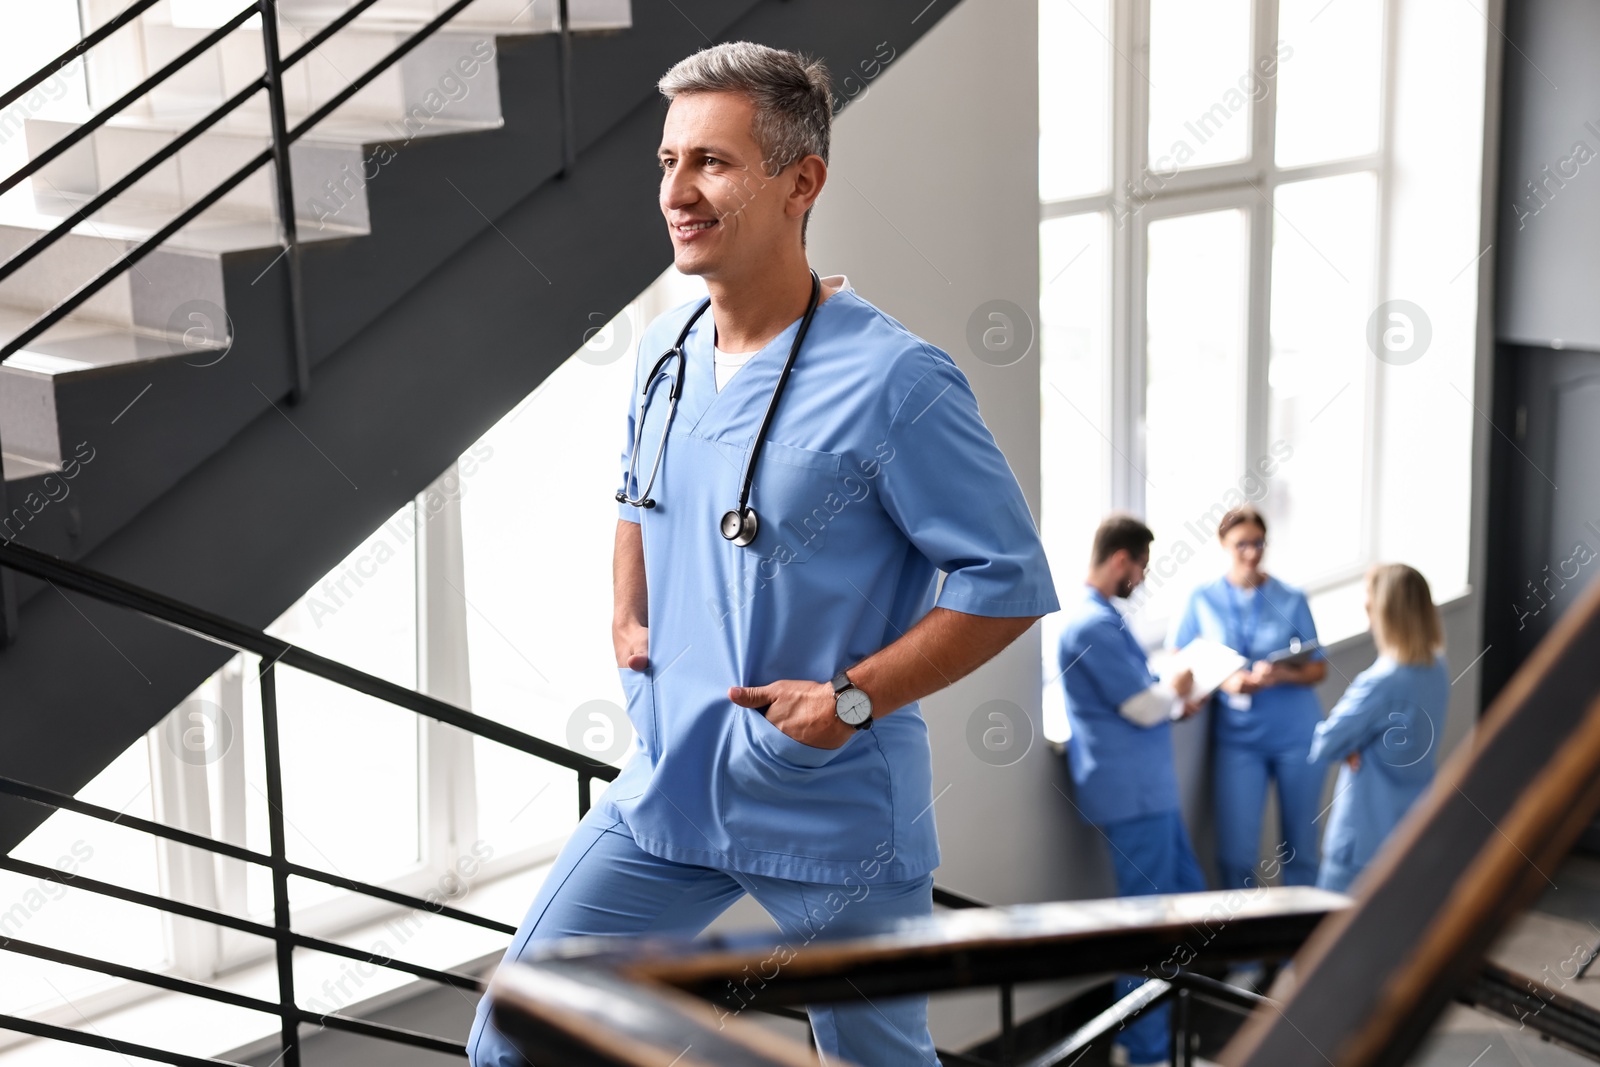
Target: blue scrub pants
[(603, 883), (1150, 854), (1241, 773)]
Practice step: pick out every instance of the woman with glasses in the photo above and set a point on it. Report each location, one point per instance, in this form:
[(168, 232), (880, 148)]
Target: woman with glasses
[(1264, 715)]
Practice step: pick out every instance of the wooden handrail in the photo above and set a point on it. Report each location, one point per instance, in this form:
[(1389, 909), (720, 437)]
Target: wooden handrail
[(561, 1007), (1472, 853)]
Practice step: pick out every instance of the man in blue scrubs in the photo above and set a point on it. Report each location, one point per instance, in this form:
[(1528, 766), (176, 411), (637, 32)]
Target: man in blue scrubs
[(773, 686), (1120, 751)]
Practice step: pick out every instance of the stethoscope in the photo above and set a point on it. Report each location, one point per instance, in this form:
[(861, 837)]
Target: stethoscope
[(740, 524)]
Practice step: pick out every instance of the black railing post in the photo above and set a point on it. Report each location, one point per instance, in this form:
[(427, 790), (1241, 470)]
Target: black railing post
[(1179, 1036), (569, 148), (280, 868), (583, 794), (1008, 1027), (286, 214), (8, 583)]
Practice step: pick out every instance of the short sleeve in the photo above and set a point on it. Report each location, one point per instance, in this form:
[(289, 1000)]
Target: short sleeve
[(1187, 628), (1113, 672), (950, 490)]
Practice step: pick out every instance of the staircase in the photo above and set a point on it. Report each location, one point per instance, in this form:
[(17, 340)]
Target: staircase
[(463, 220)]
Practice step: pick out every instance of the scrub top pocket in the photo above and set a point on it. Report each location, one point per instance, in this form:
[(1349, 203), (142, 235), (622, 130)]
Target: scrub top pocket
[(796, 492), (638, 689), (779, 794), (782, 747)]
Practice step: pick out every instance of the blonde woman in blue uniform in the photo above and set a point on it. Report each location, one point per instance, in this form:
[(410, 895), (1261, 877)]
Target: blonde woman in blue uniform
[(1264, 715), (1386, 725)]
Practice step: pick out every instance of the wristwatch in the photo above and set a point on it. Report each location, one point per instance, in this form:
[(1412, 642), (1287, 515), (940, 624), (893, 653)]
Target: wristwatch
[(853, 707)]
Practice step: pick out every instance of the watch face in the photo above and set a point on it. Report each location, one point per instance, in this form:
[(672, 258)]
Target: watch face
[(854, 707)]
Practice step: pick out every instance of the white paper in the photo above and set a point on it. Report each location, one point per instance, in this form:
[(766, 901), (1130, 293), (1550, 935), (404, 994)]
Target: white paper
[(1211, 661)]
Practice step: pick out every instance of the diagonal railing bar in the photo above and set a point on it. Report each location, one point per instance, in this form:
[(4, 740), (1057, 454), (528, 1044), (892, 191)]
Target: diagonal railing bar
[(27, 254), (133, 896), (233, 922), (434, 974), (116, 107), (94, 37), (273, 652), (137, 974), (106, 1044), (219, 630), (278, 154), (385, 1031), (362, 80), (395, 897), (49, 798)]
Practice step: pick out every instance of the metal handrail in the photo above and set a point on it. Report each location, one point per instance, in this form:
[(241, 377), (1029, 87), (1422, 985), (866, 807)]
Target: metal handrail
[(273, 652), (219, 630), (282, 137), (122, 18), (116, 107), (557, 1007)]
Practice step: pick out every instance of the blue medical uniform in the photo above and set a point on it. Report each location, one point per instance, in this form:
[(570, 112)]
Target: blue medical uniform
[(1125, 781), (1267, 739), (1393, 714), (877, 473)]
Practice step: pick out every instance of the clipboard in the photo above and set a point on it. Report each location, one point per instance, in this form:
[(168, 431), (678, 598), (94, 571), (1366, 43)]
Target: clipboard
[(1298, 654), (1211, 661)]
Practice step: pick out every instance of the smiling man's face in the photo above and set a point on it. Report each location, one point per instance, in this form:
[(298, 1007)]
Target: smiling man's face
[(722, 211)]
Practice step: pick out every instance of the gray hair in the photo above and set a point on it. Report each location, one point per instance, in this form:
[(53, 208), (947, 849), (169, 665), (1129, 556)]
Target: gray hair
[(792, 94)]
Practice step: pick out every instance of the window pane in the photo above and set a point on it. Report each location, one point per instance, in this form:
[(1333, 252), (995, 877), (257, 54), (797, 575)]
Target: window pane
[(1322, 261), (1200, 83), (1074, 98), (1197, 288), (32, 909), (538, 536), (34, 31), (1074, 408), (351, 765), (1330, 79)]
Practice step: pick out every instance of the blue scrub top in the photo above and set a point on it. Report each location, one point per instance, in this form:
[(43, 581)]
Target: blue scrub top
[(1394, 715), (1255, 624), (1121, 770), (877, 473)]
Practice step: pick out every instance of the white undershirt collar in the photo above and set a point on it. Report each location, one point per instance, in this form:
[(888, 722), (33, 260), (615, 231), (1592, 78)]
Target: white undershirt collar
[(729, 362)]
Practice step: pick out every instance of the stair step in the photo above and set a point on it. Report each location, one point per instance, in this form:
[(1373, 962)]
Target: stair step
[(18, 468), (456, 60), (338, 150), (37, 382), (187, 267)]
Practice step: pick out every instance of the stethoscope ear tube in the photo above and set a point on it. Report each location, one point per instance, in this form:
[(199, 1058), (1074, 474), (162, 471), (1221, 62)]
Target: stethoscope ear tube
[(741, 524), (643, 500), (744, 515)]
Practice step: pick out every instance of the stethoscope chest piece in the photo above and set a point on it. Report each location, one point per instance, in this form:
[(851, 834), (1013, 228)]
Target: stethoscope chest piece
[(740, 525)]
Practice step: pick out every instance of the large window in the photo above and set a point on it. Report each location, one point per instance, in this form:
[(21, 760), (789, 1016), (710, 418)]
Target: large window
[(1219, 185)]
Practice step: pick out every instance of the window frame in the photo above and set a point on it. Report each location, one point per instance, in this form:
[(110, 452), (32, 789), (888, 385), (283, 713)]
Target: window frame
[(1250, 184)]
